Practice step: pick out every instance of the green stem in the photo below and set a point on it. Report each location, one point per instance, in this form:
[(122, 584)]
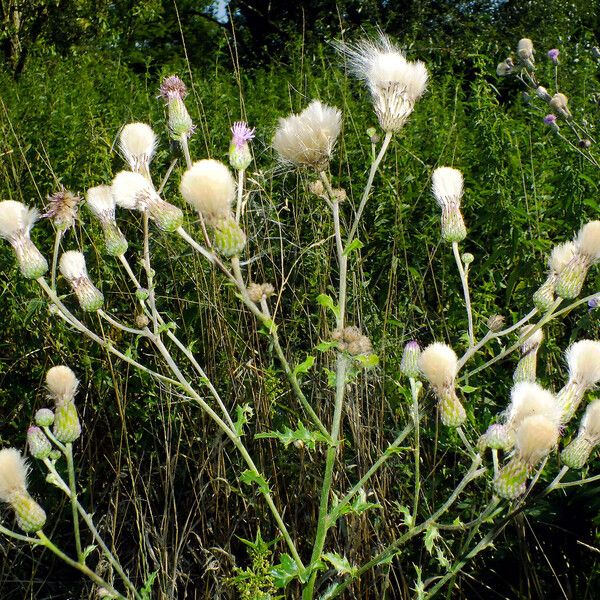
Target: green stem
[(18, 536), (414, 390), (240, 195), (57, 239), (465, 285), (73, 496), (80, 567)]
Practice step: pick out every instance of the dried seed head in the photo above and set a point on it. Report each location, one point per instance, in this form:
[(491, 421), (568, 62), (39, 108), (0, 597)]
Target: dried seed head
[(16, 219), (62, 208), (101, 202), (558, 103), (528, 399), (13, 474), (588, 240), (210, 188), (72, 265), (137, 143), (447, 188), (590, 424), (533, 341), (351, 340), (307, 139), (583, 358), (132, 191), (525, 50), (561, 256), (495, 323), (535, 438), (62, 383), (438, 364)]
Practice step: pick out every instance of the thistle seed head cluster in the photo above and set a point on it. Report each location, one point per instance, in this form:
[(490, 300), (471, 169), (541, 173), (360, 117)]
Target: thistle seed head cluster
[(137, 143), (352, 340), (395, 84), (73, 268), (62, 209), (447, 188), (13, 490), (308, 138), (16, 221)]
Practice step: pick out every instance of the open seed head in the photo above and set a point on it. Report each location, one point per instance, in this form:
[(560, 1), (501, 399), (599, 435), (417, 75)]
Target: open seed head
[(583, 358), (132, 190), (588, 240), (101, 202), (528, 399), (62, 383), (438, 363), (209, 187), (535, 438), (16, 219), (447, 186), (72, 265), (590, 423), (13, 473)]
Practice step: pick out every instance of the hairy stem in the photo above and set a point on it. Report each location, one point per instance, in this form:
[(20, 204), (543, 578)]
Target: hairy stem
[(73, 497), (465, 286)]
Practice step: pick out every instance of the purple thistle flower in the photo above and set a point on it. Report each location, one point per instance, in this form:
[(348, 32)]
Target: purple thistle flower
[(241, 133), (550, 119), (553, 55), (172, 87), (594, 303)]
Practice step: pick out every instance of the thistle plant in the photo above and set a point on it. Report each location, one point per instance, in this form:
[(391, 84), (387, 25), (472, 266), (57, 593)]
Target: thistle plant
[(310, 564)]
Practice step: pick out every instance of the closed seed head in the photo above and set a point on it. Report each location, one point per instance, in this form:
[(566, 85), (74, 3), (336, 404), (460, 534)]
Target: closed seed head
[(536, 436), (528, 399), (16, 219), (590, 423), (561, 256), (137, 143), (447, 186)]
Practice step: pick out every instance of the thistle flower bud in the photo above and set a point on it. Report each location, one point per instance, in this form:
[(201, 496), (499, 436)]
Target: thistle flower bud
[(352, 340), (497, 437), (209, 187), (173, 91), (44, 417), (409, 366), (73, 269), (16, 221), (558, 103), (228, 237), (583, 359), (438, 364), (134, 192), (374, 137), (527, 365), (67, 427), (447, 187), (13, 490), (308, 138), (587, 252), (62, 385), (137, 143), (394, 83), (536, 436), (257, 291), (553, 55), (240, 156), (576, 454), (39, 445), (495, 323), (101, 203), (62, 209), (467, 258), (585, 144)]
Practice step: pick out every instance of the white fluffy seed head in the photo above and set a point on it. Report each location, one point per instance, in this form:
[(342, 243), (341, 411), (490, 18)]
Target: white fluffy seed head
[(561, 256), (447, 186), (131, 190), (209, 187), (16, 219), (62, 383), (72, 265), (583, 358), (588, 240), (590, 424), (438, 363), (13, 473), (535, 438), (528, 399), (101, 202), (137, 143), (308, 138)]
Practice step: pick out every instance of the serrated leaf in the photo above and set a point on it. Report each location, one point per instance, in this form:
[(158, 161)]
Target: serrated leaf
[(87, 551), (408, 518), (331, 377), (166, 327), (340, 563), (327, 302), (355, 244), (325, 346), (441, 558), (300, 436), (285, 571), (305, 366), (244, 414), (431, 534), (146, 591), (250, 477), (367, 361)]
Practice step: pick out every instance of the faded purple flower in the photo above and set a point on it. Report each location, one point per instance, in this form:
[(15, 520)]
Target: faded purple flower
[(594, 303), (241, 133), (553, 55), (62, 208), (172, 87), (550, 119)]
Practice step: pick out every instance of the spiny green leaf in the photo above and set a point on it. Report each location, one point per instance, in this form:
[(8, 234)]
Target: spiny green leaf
[(285, 571), (249, 477), (355, 244), (340, 563), (305, 366)]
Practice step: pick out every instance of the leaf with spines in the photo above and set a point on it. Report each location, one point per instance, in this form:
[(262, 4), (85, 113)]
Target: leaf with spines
[(250, 477), (300, 435), (340, 563), (305, 366), (431, 534), (285, 571), (244, 414), (327, 302)]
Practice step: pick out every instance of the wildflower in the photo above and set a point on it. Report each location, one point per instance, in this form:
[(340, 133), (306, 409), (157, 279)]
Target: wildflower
[(62, 209), (38, 443), (410, 360), (62, 387), (447, 187), (138, 142), (173, 91), (594, 303), (101, 203), (307, 139), (210, 188), (535, 438), (240, 156), (73, 269), (16, 221), (438, 364), (134, 192), (576, 454), (586, 253), (559, 103), (395, 84), (525, 52), (13, 490), (44, 417), (560, 257), (527, 365), (583, 359), (553, 55)]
